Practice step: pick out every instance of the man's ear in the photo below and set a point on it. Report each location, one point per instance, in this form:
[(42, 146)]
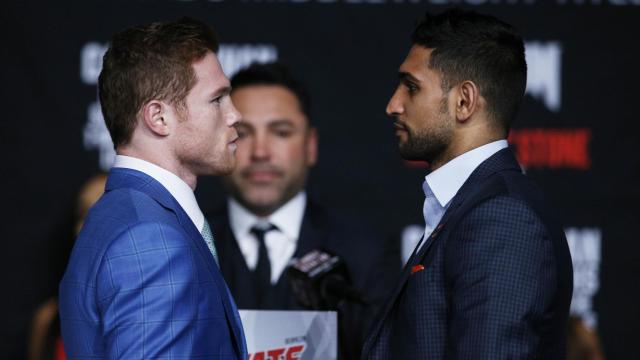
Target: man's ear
[(312, 146), (467, 100), (155, 114)]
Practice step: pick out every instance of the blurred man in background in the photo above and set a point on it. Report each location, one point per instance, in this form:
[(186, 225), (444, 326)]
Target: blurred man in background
[(270, 220)]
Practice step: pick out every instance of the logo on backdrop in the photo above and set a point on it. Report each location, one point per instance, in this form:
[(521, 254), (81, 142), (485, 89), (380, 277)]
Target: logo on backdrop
[(544, 65), (552, 148), (232, 57), (411, 236), (585, 248), (288, 353), (290, 335)]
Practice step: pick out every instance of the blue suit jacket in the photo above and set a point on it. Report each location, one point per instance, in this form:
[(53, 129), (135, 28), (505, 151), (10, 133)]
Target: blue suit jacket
[(493, 281), (141, 282)]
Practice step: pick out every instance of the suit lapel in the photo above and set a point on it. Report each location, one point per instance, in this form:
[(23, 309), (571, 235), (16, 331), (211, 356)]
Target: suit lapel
[(502, 160), (227, 301), (121, 177)]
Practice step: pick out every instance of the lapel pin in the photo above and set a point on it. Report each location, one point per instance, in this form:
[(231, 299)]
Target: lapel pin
[(417, 268)]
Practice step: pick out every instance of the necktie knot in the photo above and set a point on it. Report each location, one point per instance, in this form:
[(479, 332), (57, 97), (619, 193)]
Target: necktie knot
[(261, 229)]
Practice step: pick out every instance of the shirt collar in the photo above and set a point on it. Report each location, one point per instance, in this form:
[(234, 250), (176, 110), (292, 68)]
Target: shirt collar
[(288, 218), (176, 186), (449, 178)]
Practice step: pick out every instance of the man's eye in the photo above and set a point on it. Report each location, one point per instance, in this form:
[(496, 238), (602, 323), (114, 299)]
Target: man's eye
[(412, 88), (242, 133), (283, 133)]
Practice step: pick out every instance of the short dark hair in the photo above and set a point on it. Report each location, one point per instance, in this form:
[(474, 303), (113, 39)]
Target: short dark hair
[(150, 62), (480, 48), (273, 73)]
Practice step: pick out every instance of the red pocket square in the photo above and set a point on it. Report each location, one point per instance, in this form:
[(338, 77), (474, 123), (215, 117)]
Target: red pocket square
[(417, 268)]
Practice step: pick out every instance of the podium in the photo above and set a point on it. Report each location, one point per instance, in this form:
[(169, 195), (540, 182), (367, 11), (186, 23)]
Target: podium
[(290, 335)]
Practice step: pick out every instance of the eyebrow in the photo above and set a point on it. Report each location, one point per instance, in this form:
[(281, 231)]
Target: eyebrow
[(403, 75), (280, 122), (225, 90)]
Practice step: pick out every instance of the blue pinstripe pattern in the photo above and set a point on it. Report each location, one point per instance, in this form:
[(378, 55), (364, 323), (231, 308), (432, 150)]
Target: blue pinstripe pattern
[(141, 282), (497, 281)]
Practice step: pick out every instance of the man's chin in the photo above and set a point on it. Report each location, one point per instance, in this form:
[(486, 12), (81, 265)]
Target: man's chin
[(220, 169), (410, 154), (261, 205), (262, 198)]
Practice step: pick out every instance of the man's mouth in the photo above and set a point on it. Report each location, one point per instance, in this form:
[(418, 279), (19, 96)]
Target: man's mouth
[(398, 127), (261, 175)]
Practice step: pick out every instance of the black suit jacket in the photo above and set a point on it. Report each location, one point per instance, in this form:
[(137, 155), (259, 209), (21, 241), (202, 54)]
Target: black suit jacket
[(493, 281), (373, 262)]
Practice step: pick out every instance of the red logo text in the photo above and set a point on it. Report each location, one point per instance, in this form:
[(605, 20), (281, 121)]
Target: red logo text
[(552, 148), (285, 353)]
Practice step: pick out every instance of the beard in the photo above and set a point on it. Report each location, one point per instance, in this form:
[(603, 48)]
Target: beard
[(425, 145), (429, 143), (266, 198)]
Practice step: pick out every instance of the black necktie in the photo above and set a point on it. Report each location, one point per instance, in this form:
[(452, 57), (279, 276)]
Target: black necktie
[(262, 272)]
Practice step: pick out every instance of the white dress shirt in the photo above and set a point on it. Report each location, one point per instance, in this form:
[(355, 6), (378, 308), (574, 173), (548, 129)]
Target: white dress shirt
[(281, 243), (176, 186), (441, 185)]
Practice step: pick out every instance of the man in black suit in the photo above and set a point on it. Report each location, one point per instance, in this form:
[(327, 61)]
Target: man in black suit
[(269, 219), (492, 277)]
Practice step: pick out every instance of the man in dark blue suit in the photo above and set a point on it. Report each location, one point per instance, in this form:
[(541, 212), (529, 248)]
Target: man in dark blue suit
[(143, 279), (492, 277)]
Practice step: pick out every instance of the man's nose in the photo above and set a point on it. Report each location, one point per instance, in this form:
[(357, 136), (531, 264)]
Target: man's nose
[(260, 147), (394, 107), (233, 116)]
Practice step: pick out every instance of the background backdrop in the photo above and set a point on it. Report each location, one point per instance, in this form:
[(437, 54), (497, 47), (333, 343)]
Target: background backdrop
[(576, 133)]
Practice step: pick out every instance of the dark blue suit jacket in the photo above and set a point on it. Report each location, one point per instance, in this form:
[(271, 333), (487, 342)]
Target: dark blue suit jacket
[(141, 282), (493, 281)]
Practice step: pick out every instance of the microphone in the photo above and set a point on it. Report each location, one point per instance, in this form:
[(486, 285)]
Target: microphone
[(320, 281)]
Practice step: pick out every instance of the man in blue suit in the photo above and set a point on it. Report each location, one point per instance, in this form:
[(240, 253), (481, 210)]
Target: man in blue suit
[(492, 277), (143, 280)]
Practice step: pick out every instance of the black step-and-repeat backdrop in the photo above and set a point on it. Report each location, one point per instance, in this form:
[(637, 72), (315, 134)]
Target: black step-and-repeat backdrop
[(576, 134)]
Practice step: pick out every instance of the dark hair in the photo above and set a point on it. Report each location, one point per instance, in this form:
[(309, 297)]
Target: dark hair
[(480, 48), (150, 62), (273, 73)]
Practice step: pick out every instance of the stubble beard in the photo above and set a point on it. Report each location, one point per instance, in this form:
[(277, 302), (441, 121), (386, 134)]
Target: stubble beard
[(206, 161), (263, 205), (429, 144), (424, 146), (203, 160)]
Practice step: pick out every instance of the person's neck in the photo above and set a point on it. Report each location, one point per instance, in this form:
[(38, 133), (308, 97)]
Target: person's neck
[(162, 159)]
